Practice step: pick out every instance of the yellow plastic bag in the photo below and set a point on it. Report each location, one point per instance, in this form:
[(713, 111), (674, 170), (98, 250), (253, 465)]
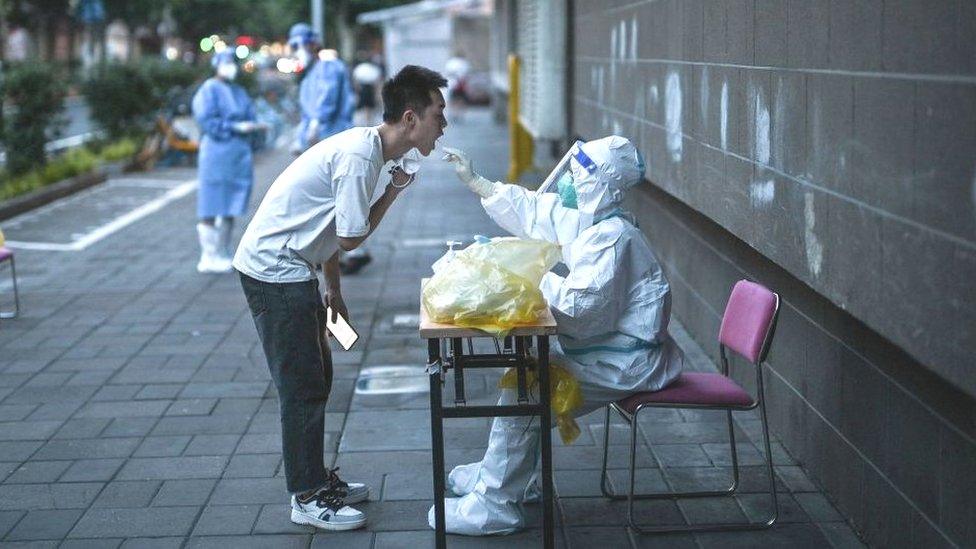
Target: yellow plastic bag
[(2, 239), (492, 286), (565, 396)]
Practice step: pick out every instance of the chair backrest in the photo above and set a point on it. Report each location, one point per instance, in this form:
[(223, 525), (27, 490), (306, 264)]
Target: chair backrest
[(748, 321)]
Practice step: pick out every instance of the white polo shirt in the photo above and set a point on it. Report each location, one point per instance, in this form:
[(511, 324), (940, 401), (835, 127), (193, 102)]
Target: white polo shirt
[(325, 193)]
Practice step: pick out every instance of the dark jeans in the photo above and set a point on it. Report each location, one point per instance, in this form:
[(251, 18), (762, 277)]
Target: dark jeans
[(290, 320)]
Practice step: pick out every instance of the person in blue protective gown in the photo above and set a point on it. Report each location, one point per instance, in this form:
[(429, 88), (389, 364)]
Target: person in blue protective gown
[(225, 167), (325, 93), (612, 310), (327, 103)]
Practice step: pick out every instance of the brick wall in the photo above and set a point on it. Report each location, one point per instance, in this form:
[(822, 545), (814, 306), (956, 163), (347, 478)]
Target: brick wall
[(827, 149)]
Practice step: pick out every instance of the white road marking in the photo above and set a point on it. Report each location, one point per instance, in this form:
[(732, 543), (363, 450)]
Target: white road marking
[(91, 237)]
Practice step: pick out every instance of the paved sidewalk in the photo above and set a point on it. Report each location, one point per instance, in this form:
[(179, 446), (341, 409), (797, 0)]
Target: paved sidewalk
[(136, 409)]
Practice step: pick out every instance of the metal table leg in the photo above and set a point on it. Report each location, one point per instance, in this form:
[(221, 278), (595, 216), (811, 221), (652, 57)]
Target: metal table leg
[(437, 438), (548, 522)]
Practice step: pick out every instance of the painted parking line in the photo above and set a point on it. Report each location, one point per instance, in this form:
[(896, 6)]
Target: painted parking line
[(84, 240)]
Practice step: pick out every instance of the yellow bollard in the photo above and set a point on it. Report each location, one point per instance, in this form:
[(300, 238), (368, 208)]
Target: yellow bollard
[(520, 142)]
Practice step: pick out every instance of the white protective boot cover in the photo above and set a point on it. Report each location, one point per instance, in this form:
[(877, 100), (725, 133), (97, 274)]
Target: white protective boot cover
[(210, 260), (225, 228)]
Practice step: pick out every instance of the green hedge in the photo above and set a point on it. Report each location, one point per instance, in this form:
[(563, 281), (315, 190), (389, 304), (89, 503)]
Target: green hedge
[(34, 94), (124, 97), (71, 163)]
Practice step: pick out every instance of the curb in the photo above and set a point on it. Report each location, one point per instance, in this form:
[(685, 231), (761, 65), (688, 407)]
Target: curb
[(49, 193)]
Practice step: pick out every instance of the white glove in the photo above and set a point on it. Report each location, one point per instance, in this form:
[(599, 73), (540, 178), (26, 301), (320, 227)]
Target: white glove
[(244, 127), (462, 167)]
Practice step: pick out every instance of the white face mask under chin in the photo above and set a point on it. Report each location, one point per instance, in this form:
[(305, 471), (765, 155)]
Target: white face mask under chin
[(304, 57), (410, 161), (227, 71)]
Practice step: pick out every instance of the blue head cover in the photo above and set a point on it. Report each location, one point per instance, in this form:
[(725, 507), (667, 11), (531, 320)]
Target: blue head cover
[(225, 55), (301, 34)]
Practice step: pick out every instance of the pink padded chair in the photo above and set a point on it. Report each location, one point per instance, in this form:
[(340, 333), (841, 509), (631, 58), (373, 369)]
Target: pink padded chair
[(747, 329), (6, 254)]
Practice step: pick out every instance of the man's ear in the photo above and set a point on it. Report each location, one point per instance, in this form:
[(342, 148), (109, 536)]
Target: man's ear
[(409, 117)]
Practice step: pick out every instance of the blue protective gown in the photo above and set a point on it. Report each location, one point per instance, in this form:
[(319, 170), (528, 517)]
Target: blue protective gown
[(225, 166), (326, 95)]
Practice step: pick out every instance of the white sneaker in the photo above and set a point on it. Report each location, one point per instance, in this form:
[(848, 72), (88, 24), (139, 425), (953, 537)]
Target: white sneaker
[(327, 510), (353, 492)]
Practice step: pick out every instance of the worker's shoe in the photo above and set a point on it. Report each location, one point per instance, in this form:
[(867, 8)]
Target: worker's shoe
[(326, 509), (463, 479), (211, 261), (474, 515), (353, 492)]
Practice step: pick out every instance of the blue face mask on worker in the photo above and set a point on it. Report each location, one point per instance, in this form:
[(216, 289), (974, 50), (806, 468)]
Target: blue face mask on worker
[(567, 191)]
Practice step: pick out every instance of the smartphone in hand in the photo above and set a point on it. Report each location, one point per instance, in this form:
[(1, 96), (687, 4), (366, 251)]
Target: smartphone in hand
[(340, 330)]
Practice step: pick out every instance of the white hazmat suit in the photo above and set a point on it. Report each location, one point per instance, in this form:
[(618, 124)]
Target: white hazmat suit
[(612, 312)]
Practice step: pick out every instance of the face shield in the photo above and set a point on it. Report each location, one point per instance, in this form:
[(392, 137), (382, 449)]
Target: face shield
[(561, 179)]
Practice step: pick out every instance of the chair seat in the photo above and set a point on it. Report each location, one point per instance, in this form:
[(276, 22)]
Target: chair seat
[(5, 253), (696, 388)]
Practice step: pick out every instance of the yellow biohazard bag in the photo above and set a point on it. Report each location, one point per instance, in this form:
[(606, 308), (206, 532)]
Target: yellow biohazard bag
[(565, 396), (492, 286), (2, 239)]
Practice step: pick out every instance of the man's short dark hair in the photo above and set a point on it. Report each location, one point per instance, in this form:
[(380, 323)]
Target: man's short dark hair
[(409, 89)]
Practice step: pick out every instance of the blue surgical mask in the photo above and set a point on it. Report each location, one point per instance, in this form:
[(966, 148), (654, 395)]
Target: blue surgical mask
[(567, 191)]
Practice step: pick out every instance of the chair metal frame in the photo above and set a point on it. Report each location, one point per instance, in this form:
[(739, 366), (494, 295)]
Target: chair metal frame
[(13, 277), (759, 401)]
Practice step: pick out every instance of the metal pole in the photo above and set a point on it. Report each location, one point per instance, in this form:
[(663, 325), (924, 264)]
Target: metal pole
[(437, 438), (548, 522), (318, 19)]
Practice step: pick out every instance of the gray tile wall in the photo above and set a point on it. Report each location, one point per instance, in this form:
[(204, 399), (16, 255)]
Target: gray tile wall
[(827, 149), (838, 138)]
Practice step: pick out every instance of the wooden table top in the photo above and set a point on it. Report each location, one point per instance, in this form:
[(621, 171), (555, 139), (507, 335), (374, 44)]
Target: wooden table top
[(546, 325)]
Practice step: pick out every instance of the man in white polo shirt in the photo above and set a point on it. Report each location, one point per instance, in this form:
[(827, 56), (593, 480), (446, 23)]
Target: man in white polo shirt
[(317, 206)]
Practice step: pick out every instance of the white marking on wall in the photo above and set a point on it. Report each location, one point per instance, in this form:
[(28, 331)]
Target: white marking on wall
[(762, 193), (703, 96), (617, 128), (633, 38), (622, 43), (813, 247), (724, 115), (653, 95), (779, 145), (672, 99), (761, 136)]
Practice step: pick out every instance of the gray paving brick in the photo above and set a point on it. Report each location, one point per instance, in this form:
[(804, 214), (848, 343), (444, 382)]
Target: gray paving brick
[(55, 411), (225, 390), (45, 524), (91, 543), (249, 542), (122, 409), (249, 491), (28, 430), (153, 543), (130, 427), (48, 496), (781, 535), (603, 512), (276, 519), (155, 521), (682, 455), (364, 540), (92, 470), (226, 520), (7, 521), (19, 450), (183, 492), (212, 445), (270, 443), (252, 466), (124, 494), (15, 412), (116, 392), (158, 391), (817, 507), (82, 428), (192, 407), (172, 468), (38, 471), (162, 446), (201, 425)]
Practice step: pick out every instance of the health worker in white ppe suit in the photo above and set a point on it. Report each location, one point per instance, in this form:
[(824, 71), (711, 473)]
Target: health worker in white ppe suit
[(612, 311)]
